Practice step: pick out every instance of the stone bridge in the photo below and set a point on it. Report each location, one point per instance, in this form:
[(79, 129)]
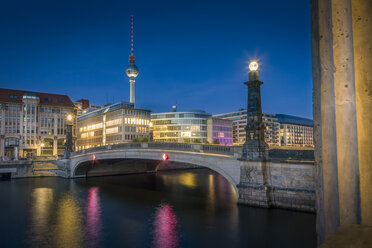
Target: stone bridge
[(286, 181)]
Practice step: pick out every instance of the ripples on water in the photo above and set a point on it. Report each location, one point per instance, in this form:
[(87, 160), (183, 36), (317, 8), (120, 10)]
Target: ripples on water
[(186, 209)]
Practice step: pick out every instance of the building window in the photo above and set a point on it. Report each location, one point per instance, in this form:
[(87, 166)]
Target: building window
[(13, 96)]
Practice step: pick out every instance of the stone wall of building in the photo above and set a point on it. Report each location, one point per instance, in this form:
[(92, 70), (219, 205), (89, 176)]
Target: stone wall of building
[(283, 185)]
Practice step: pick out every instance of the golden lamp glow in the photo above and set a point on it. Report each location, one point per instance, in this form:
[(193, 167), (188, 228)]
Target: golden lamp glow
[(69, 117), (253, 66), (42, 145), (150, 124)]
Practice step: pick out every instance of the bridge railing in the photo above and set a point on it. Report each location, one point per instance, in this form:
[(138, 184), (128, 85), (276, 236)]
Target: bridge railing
[(202, 148), (171, 146)]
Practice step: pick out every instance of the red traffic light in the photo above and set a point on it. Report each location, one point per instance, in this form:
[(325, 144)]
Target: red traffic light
[(165, 157), (93, 157)]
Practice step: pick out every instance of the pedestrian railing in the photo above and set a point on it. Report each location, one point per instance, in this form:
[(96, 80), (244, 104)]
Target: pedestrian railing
[(202, 148)]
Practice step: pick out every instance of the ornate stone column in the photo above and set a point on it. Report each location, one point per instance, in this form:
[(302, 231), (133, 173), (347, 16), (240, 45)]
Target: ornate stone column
[(69, 143), (255, 147)]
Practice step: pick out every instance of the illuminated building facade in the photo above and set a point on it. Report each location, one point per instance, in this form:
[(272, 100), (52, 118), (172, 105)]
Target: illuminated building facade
[(219, 131), (239, 119), (113, 124), (33, 124), (295, 131), (181, 127)]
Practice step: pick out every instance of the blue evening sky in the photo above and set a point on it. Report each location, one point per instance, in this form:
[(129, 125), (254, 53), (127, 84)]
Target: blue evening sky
[(193, 53)]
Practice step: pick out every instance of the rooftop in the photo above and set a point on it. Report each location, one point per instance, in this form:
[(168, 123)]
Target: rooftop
[(16, 96), (290, 119), (109, 108)]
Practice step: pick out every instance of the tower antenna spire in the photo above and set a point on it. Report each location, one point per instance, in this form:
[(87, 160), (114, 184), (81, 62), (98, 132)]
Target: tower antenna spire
[(131, 33), (132, 70)]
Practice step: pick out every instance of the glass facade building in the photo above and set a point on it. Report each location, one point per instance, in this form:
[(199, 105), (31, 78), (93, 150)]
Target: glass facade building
[(113, 124), (181, 127), (220, 131)]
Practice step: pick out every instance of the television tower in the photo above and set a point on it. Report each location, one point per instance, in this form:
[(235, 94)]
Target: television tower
[(132, 70)]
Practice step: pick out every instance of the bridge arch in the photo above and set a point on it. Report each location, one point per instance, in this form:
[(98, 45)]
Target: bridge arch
[(226, 166)]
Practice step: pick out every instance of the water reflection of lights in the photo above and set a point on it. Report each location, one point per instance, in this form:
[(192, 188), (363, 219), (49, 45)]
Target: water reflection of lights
[(211, 196), (69, 225), (188, 179), (165, 227), (93, 222), (42, 201)]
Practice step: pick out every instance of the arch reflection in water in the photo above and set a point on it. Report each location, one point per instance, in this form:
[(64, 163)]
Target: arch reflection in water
[(69, 225), (165, 227), (93, 221)]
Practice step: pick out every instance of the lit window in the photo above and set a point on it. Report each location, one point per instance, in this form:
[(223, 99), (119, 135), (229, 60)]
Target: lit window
[(112, 130)]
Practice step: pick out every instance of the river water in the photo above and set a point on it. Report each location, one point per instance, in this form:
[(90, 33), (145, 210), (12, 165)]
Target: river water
[(193, 208)]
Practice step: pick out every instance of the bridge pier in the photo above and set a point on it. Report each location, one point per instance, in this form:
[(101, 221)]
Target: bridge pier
[(277, 184)]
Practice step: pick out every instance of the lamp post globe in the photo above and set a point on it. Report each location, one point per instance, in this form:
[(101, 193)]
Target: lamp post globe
[(253, 65)]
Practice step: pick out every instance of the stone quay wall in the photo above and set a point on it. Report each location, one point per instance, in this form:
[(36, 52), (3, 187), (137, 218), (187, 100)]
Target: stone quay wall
[(17, 169), (282, 185)]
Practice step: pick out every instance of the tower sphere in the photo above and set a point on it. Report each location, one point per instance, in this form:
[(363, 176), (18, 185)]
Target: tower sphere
[(253, 66), (132, 70)]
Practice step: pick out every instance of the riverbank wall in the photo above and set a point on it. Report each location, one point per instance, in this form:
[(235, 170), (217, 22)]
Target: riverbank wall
[(16, 169)]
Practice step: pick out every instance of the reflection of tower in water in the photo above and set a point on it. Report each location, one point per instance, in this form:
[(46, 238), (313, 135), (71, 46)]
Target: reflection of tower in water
[(165, 227)]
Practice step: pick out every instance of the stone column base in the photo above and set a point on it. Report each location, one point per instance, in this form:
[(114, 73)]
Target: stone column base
[(253, 196)]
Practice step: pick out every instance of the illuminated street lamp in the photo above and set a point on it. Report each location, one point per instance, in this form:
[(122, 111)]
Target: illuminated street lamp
[(69, 117), (253, 66), (255, 147), (68, 144)]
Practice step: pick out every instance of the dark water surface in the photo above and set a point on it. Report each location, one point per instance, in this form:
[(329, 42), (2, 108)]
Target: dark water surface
[(195, 208)]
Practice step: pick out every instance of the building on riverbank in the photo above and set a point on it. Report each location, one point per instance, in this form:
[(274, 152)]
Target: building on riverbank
[(113, 124), (219, 131), (280, 129), (180, 127), (192, 126), (33, 123), (295, 131)]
